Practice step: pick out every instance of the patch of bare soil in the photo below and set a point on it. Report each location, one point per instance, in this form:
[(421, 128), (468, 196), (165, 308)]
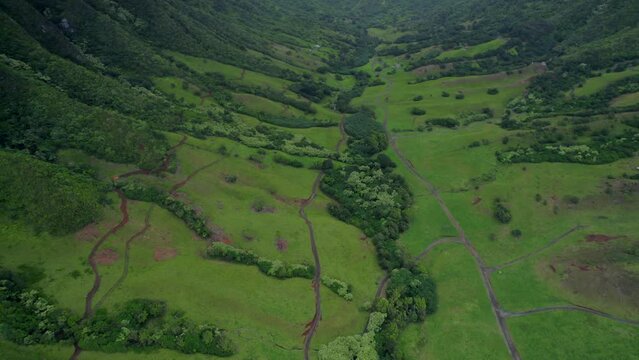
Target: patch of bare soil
[(163, 254), (600, 238), (220, 236), (281, 244), (286, 200), (600, 273), (477, 200), (88, 233), (106, 257)]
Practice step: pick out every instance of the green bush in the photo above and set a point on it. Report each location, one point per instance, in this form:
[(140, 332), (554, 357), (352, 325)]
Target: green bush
[(502, 213), (492, 91), (417, 111), (444, 122), (280, 159)]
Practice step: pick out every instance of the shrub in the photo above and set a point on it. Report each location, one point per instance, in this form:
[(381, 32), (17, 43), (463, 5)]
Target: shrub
[(280, 159), (445, 94), (492, 91), (502, 213), (516, 233), (340, 288), (444, 122), (460, 96), (229, 253), (418, 98), (417, 111), (571, 199)]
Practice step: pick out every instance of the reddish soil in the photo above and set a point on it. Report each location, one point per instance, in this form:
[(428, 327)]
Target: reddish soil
[(88, 233), (106, 257), (219, 235), (281, 244), (476, 201), (163, 254), (285, 200), (600, 238), (88, 305)]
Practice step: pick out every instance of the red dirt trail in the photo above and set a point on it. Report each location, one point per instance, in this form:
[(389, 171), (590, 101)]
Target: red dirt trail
[(311, 327), (88, 310)]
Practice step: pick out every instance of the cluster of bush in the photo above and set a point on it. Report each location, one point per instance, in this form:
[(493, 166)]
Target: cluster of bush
[(342, 103), (501, 212), (136, 190), (274, 268), (444, 122), (338, 287), (410, 296), (146, 324), (29, 318), (312, 90), (366, 136), (290, 121), (596, 153), (370, 196), (281, 159)]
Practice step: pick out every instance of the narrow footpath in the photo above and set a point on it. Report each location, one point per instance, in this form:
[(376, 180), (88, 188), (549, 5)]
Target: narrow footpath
[(311, 327)]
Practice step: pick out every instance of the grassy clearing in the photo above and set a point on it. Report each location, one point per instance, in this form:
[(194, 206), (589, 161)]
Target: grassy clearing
[(626, 100), (260, 104), (401, 94), (569, 336), (598, 83), (232, 73), (300, 57), (464, 326), (263, 315), (190, 94), (388, 34), (472, 51), (325, 136), (470, 179)]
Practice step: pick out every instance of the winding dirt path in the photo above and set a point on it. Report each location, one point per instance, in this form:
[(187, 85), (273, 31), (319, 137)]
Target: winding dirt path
[(538, 251), (88, 305), (311, 327), (88, 309), (483, 270), (127, 250), (570, 308), (182, 183), (435, 244), (162, 168)]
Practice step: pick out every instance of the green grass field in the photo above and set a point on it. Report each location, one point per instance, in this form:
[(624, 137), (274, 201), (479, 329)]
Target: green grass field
[(626, 100), (388, 34), (598, 83), (472, 51), (470, 179), (399, 95)]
